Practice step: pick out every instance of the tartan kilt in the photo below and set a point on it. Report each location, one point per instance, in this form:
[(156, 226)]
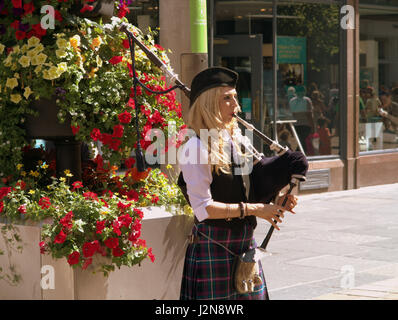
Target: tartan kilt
[(208, 266)]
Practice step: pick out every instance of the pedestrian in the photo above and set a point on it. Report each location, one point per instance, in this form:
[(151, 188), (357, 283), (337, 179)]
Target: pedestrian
[(303, 111), (325, 136), (224, 220)]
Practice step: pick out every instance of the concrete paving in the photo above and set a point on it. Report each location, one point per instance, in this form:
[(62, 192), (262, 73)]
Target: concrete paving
[(339, 246)]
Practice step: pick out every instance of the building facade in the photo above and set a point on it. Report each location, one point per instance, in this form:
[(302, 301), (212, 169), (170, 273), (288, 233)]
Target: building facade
[(326, 72)]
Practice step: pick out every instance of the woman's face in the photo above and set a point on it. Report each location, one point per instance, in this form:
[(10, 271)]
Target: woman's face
[(228, 104)]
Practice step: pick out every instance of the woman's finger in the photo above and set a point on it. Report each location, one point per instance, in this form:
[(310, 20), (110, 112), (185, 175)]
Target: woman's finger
[(273, 224)]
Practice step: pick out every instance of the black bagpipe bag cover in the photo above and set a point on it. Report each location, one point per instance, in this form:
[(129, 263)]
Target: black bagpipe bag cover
[(271, 174)]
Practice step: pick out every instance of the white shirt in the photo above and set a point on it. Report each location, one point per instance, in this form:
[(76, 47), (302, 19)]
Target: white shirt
[(196, 170)]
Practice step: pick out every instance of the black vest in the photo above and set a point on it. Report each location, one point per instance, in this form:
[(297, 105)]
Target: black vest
[(226, 188)]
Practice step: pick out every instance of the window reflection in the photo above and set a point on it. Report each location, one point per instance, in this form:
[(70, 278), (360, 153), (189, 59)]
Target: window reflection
[(378, 126)]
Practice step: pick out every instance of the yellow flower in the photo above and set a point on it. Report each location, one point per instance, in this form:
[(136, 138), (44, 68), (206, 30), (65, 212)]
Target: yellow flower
[(24, 48), (31, 53), (62, 179), (33, 41), (51, 73), (99, 61), (68, 173), (34, 173), (16, 98), (7, 61), (16, 49), (61, 68), (39, 162), (62, 43), (60, 53), (38, 59), (44, 166), (97, 42), (75, 41), (39, 48), (24, 61), (2, 46), (11, 83), (23, 173), (27, 92), (38, 69), (31, 191), (169, 166), (19, 166), (16, 75)]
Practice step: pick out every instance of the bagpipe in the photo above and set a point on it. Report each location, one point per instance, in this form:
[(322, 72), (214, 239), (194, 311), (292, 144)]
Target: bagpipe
[(269, 174)]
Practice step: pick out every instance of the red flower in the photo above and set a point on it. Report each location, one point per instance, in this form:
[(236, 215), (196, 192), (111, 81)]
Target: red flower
[(125, 117), (86, 263), (89, 248), (125, 220), (42, 245), (85, 8), (75, 130), (58, 16), (125, 43), (115, 60), (135, 232), (117, 252), (95, 134), (111, 243), (155, 199), (20, 35), (100, 226), (17, 3), (123, 10), (131, 103), (4, 191), (28, 7), (38, 30), (116, 224), (44, 203), (90, 195), (106, 138), (60, 238), (129, 162), (118, 131), (1, 206), (139, 212), (66, 221), (132, 195), (105, 203), (21, 184), (77, 185), (22, 209), (15, 24), (139, 90), (114, 145), (99, 161), (73, 258), (150, 255), (123, 206)]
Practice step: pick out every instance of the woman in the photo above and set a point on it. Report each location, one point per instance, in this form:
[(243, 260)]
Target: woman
[(224, 221)]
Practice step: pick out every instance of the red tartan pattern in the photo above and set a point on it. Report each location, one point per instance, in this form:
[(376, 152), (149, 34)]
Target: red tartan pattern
[(208, 266)]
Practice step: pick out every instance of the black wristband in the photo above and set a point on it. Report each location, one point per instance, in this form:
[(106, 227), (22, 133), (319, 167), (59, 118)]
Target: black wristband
[(242, 210)]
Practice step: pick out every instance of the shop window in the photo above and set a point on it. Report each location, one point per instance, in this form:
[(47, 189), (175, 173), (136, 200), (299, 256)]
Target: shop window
[(378, 127), (308, 96), (144, 14)]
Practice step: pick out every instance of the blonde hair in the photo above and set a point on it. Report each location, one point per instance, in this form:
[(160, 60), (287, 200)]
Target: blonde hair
[(205, 114)]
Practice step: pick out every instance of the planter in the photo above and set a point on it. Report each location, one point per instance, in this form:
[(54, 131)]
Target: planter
[(164, 232)]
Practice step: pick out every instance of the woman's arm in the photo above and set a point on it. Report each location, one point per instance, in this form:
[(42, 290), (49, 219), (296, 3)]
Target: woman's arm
[(269, 212)]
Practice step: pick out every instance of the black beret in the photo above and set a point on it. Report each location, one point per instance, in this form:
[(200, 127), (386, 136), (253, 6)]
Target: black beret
[(211, 78)]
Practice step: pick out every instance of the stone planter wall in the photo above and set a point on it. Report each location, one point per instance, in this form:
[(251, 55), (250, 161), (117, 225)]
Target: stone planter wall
[(164, 232)]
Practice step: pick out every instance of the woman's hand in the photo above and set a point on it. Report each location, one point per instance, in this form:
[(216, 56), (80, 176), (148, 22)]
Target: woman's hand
[(290, 203), (269, 212)]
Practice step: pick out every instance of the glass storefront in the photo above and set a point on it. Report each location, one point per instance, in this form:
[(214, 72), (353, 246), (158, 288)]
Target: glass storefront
[(378, 128), (304, 90), (144, 14)]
